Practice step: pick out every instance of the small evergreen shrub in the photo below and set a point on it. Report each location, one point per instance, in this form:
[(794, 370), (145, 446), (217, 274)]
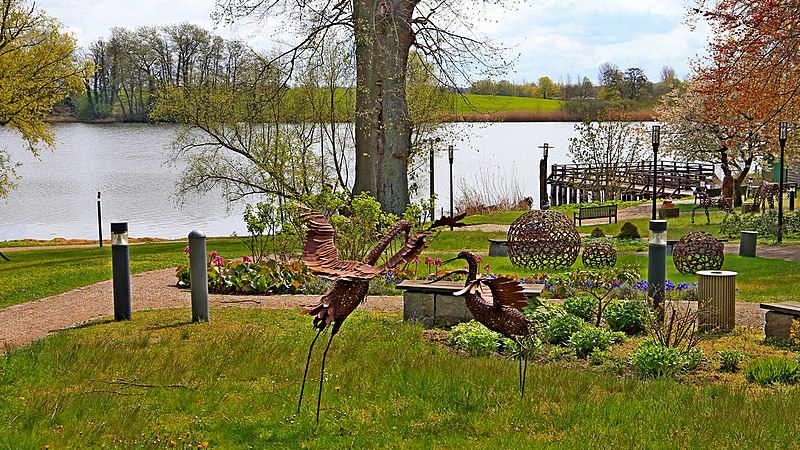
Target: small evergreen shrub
[(598, 233), (773, 370), (628, 231), (729, 360), (589, 339), (475, 339), (561, 328), (583, 306), (627, 316)]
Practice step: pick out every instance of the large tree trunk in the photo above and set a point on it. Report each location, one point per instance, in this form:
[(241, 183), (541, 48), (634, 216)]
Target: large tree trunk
[(383, 128)]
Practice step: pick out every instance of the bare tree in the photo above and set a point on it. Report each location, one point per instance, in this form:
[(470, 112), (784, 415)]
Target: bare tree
[(382, 32)]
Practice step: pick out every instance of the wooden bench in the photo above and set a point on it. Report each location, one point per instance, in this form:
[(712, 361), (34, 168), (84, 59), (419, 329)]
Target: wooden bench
[(498, 247), (779, 318), (434, 303), (595, 212)]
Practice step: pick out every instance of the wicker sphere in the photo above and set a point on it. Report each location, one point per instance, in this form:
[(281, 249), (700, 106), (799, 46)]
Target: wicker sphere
[(599, 255), (543, 239), (697, 251)]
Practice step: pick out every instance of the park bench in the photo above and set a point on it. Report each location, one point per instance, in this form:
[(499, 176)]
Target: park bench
[(596, 212), (779, 318), (434, 303)]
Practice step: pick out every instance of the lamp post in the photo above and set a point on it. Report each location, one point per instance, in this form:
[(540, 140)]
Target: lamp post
[(198, 275), (99, 221), (543, 202), (783, 133), (657, 264), (121, 269), (656, 141), (450, 156), (432, 184)]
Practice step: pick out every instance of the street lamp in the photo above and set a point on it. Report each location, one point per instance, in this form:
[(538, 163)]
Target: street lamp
[(121, 270), (656, 141), (543, 201), (450, 156), (432, 184), (783, 133), (657, 264)]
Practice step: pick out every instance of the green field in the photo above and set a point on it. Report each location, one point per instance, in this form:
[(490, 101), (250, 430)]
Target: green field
[(472, 103)]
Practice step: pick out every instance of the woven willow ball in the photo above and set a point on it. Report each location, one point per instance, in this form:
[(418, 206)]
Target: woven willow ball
[(543, 239), (697, 251), (599, 255)]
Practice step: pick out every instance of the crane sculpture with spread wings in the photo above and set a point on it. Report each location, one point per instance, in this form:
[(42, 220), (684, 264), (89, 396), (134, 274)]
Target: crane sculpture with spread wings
[(352, 277), (495, 303)]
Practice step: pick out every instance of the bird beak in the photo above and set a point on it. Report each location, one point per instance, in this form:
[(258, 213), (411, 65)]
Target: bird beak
[(449, 260)]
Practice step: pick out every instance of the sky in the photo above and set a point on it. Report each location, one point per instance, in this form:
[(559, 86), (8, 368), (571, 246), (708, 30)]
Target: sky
[(552, 38)]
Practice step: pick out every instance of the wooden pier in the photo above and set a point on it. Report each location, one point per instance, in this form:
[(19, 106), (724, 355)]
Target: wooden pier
[(579, 183)]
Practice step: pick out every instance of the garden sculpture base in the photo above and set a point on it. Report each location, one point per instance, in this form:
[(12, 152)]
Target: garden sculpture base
[(435, 304), (498, 247), (779, 318)]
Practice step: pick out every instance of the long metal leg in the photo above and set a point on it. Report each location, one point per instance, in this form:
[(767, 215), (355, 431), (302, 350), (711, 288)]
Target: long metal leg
[(322, 374), (305, 374)]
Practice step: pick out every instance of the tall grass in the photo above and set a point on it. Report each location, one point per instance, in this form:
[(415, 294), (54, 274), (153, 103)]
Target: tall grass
[(233, 383)]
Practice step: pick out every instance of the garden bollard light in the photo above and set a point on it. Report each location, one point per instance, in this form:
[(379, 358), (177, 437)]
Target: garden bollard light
[(792, 195), (198, 275), (657, 265), (121, 268)]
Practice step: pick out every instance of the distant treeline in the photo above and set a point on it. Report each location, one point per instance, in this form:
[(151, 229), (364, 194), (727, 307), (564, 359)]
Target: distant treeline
[(629, 90)]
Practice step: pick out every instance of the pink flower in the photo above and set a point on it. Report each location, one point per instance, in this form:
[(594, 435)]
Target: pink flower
[(437, 261), (212, 255), (487, 267), (416, 259), (218, 261), (186, 250), (480, 260), (428, 260), (246, 259), (466, 266)]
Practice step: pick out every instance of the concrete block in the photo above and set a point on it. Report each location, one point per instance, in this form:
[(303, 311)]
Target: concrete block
[(778, 324)]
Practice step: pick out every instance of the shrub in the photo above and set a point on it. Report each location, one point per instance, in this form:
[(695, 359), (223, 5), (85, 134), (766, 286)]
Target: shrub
[(627, 316), (598, 233), (773, 370), (542, 314), (475, 339), (561, 328), (246, 277), (562, 353), (729, 360), (654, 360), (584, 307), (589, 339), (598, 357), (628, 231)]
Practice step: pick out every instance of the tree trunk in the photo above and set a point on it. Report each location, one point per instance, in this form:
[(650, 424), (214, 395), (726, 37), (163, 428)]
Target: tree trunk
[(383, 128)]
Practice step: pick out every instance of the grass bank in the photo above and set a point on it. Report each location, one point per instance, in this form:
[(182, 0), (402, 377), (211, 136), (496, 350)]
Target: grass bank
[(33, 274), (158, 381)]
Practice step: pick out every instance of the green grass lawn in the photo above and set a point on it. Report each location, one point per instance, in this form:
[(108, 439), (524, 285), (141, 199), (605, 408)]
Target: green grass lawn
[(161, 382), (471, 103), (33, 274)]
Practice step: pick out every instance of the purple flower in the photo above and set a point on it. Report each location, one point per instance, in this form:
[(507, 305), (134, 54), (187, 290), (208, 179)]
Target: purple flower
[(480, 260), (416, 259), (487, 267)]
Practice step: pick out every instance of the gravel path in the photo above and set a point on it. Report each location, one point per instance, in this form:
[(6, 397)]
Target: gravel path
[(150, 290)]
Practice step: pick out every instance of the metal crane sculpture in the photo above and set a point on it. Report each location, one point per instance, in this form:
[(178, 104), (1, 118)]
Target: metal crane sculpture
[(352, 277), (494, 302)]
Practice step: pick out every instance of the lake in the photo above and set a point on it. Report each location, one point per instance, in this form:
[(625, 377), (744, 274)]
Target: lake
[(57, 195)]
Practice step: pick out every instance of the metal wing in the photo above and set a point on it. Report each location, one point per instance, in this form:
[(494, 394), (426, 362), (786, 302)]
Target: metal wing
[(503, 292), (417, 243), (321, 256)]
